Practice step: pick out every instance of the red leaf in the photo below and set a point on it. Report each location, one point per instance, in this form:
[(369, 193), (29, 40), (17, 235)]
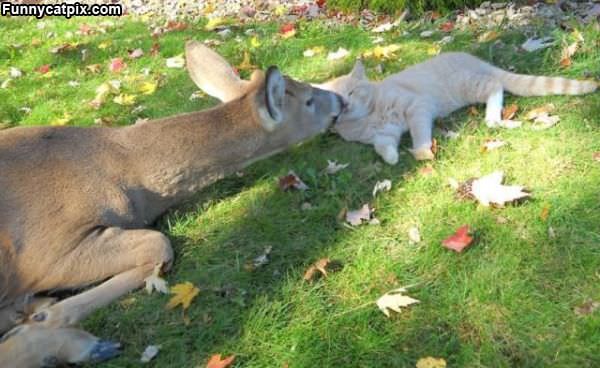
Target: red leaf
[(155, 49), (321, 3), (116, 65), (216, 362), (44, 69), (287, 28), (459, 241), (447, 27)]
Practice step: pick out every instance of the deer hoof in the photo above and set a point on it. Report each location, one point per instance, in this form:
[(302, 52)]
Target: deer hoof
[(104, 350)]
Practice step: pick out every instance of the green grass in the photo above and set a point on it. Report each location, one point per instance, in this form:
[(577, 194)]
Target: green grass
[(506, 302)]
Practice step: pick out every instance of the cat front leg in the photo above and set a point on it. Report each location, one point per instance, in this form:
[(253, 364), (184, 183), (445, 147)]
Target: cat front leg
[(386, 146), (420, 124), (493, 106)]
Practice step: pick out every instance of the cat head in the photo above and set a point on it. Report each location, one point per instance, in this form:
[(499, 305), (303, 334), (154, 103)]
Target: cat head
[(357, 92)]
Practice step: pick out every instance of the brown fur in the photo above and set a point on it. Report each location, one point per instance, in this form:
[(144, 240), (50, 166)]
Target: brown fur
[(75, 201)]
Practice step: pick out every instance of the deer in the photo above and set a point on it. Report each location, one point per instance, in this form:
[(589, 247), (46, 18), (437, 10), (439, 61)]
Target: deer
[(77, 204)]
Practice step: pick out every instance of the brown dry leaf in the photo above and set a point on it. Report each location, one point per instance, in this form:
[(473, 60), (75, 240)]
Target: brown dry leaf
[(319, 267), (426, 171), (596, 156), (291, 180), (492, 144), (215, 361), (509, 111), (545, 212), (94, 68), (473, 111), (61, 49), (155, 49), (184, 295), (539, 111), (430, 362), (586, 308), (356, 217), (488, 36)]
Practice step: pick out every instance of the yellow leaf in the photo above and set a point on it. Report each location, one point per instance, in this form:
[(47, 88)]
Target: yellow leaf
[(61, 121), (213, 23), (94, 68), (254, 42), (577, 36), (184, 294), (246, 64), (147, 88), (104, 45), (124, 99), (382, 52), (488, 36), (281, 10), (430, 362), (433, 50)]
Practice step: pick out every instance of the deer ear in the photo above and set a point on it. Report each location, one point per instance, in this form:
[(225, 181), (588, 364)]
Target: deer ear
[(358, 71), (275, 97)]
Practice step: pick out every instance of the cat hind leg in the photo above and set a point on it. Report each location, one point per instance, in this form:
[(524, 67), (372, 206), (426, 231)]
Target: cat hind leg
[(387, 147)]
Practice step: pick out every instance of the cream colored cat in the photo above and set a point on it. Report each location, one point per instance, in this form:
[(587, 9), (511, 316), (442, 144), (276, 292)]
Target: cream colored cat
[(378, 113)]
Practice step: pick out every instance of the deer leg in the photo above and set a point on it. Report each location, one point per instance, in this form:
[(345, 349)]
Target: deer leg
[(128, 257), (29, 346)]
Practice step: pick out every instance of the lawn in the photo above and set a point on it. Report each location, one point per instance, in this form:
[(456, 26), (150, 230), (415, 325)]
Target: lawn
[(507, 301)]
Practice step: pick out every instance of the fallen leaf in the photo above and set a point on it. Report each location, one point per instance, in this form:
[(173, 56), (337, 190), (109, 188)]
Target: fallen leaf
[(313, 51), (215, 361), (545, 121), (533, 44), (333, 167), (291, 180), (116, 65), (246, 64), (184, 295), (426, 171), (434, 50), (596, 156), (85, 29), (61, 121), (147, 88), (254, 42), (94, 68), (382, 186), (149, 353), (382, 52), (473, 111), (567, 53), (287, 30), (176, 26), (383, 27), (104, 45), (155, 49), (176, 62), (459, 240), (213, 23), (545, 212), (540, 111), (356, 217), (586, 308), (262, 259), (394, 300), (339, 54), (124, 99), (319, 266), (489, 190), (414, 235), (135, 54), (430, 362), (551, 232), (488, 36), (44, 69), (426, 34), (492, 144), (15, 72), (64, 48), (447, 26), (508, 112)]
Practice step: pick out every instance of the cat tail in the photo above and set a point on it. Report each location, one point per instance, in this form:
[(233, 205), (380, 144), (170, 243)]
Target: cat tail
[(531, 85)]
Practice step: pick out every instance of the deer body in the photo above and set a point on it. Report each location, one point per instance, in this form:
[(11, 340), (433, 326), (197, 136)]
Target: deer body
[(75, 204)]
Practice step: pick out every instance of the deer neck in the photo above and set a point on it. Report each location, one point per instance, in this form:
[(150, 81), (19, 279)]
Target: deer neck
[(179, 155)]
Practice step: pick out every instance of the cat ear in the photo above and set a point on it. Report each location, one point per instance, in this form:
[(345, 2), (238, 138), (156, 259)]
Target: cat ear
[(358, 71)]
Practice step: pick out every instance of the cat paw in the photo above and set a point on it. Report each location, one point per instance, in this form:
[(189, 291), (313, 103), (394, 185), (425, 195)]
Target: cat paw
[(422, 154), (492, 122), (390, 155)]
